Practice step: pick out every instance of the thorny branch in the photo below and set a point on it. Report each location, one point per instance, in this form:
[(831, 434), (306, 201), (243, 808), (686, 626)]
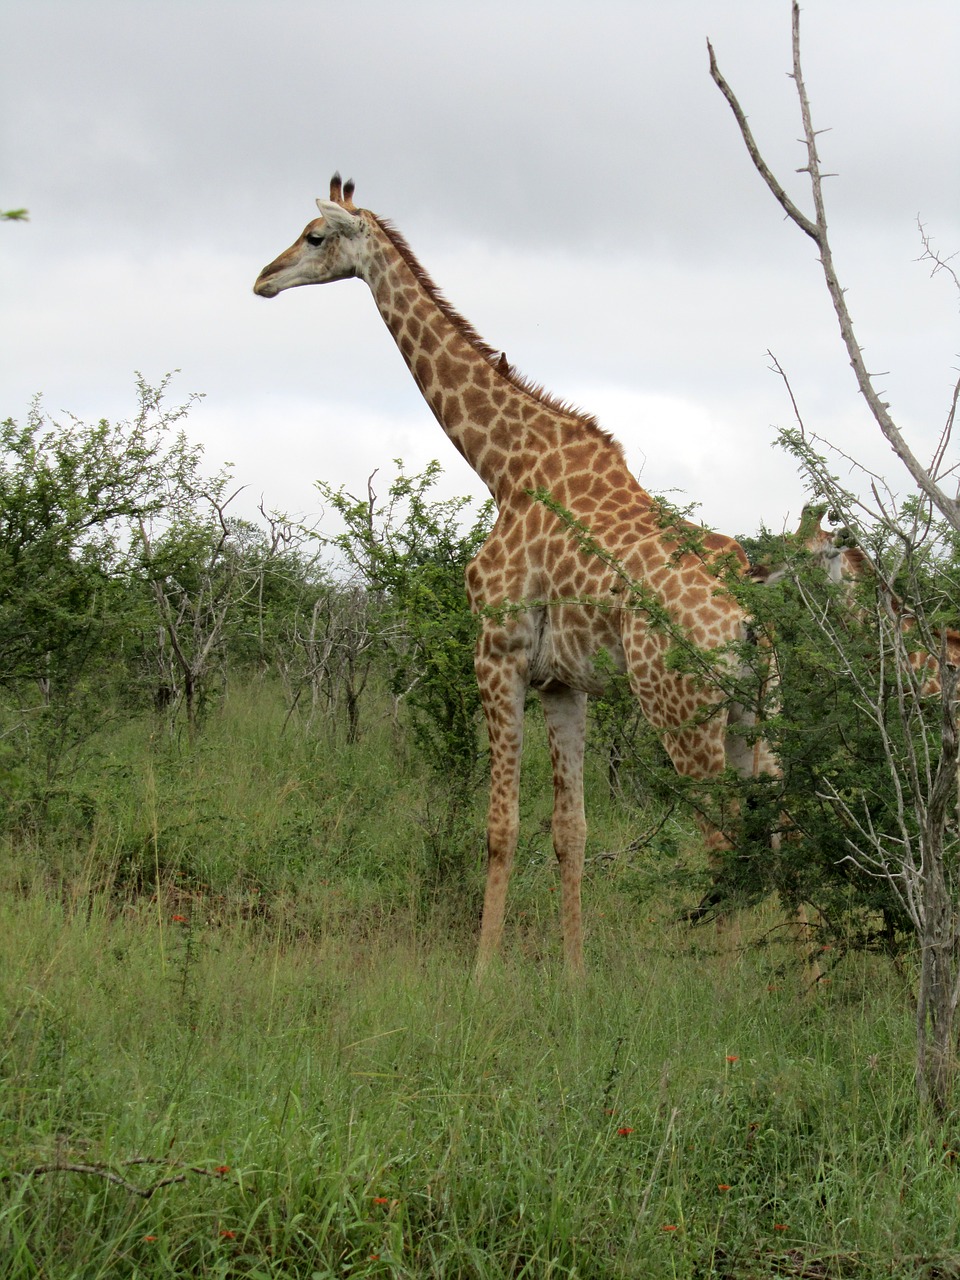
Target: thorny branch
[(817, 230)]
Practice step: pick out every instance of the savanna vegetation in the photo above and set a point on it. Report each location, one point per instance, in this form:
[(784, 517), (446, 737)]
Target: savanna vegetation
[(242, 794)]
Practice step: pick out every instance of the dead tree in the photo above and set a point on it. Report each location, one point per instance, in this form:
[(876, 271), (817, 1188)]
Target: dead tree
[(918, 857)]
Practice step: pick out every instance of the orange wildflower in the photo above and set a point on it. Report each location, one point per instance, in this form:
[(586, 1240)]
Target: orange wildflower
[(723, 1186), (669, 1226), (624, 1131)]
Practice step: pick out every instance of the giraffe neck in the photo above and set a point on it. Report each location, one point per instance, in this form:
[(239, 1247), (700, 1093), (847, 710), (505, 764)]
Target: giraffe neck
[(484, 408)]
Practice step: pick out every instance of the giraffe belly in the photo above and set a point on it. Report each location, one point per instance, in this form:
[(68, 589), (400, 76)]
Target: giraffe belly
[(577, 647)]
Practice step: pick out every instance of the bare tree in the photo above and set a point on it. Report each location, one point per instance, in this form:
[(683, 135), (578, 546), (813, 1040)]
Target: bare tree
[(918, 855), (334, 647), (197, 576)]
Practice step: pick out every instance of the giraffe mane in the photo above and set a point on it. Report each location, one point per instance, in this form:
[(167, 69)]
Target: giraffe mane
[(493, 355)]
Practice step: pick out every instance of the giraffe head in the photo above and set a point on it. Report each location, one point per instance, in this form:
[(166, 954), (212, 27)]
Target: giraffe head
[(327, 249), (835, 550)]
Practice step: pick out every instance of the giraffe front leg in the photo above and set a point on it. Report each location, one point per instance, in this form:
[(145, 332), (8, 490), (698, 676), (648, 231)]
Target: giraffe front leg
[(565, 711), (503, 693)]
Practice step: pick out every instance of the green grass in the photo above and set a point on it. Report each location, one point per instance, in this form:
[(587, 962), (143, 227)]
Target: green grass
[(243, 991)]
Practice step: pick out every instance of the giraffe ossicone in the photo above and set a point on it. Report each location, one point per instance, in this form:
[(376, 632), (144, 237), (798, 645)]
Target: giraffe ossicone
[(553, 613)]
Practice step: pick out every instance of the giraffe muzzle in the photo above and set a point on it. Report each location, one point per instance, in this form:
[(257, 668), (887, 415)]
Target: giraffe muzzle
[(265, 286)]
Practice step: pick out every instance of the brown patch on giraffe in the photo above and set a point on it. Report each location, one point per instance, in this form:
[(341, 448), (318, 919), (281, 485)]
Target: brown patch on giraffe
[(549, 469), (578, 486), (618, 500), (494, 458), (478, 407), (450, 371), (513, 537), (452, 411), (429, 342), (519, 469)]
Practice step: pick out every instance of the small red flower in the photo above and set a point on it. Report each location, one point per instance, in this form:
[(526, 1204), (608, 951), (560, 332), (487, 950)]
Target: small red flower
[(780, 1226), (228, 1235), (221, 1169), (733, 1057), (723, 1186), (668, 1226), (179, 919), (149, 1239), (381, 1199), (624, 1131)]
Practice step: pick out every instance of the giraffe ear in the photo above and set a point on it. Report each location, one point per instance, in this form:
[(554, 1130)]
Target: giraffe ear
[(339, 219)]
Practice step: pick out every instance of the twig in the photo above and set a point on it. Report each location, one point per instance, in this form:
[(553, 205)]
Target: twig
[(108, 1175)]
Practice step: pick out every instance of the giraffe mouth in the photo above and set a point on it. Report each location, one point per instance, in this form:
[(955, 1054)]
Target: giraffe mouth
[(265, 288)]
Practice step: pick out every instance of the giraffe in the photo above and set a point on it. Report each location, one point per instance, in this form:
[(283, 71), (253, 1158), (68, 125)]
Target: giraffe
[(834, 550), (551, 585), (845, 564)]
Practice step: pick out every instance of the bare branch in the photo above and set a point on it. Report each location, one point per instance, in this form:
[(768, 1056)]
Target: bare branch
[(946, 505), (802, 221), (778, 369), (108, 1175)]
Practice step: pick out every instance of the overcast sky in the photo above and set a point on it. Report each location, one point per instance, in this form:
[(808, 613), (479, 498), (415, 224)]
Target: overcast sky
[(566, 171)]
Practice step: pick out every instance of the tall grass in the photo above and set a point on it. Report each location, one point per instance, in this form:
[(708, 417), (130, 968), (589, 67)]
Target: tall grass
[(241, 1039)]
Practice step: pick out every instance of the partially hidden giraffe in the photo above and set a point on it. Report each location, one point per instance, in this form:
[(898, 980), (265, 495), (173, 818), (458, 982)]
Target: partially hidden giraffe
[(555, 613), (845, 564)]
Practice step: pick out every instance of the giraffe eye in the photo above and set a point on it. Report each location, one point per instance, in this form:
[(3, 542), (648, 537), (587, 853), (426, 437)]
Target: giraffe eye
[(315, 238)]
